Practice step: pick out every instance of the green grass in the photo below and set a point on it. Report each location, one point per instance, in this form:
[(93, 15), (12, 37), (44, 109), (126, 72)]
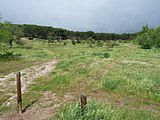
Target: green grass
[(24, 56), (96, 110), (124, 74), (135, 75)]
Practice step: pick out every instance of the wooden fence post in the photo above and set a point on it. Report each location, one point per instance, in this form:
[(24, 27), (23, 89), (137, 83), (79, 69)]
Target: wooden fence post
[(19, 97), (83, 102)]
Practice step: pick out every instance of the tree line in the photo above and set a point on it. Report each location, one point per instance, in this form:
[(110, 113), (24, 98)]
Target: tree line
[(42, 32)]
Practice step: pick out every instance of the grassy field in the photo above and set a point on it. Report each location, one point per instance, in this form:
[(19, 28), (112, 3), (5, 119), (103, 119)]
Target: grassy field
[(122, 82)]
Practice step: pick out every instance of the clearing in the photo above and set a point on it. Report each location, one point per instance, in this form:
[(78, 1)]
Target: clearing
[(127, 80)]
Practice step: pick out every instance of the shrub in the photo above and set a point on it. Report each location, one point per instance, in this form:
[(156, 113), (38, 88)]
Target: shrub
[(64, 43), (145, 41), (158, 41), (5, 50), (91, 40), (73, 42), (78, 41), (100, 44), (106, 55), (90, 45), (110, 45), (149, 38)]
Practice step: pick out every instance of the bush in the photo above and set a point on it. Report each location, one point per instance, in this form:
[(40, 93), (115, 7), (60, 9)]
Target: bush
[(91, 40), (90, 45), (158, 41), (73, 42), (106, 55), (5, 50), (78, 41), (145, 41), (110, 45), (100, 44), (64, 43), (149, 38)]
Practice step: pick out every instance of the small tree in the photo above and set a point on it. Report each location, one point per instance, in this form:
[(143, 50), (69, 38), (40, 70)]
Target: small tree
[(145, 28), (7, 26)]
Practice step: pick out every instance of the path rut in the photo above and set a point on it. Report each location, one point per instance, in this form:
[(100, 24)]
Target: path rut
[(27, 77)]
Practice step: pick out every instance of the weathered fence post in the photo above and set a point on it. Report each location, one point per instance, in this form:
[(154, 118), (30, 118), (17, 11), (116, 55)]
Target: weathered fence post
[(19, 97), (83, 102)]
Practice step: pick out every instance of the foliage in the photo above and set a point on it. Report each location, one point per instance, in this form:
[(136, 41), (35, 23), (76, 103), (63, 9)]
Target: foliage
[(5, 50), (43, 31), (90, 45), (96, 110), (73, 42), (100, 43), (149, 38), (64, 43), (78, 40), (131, 75), (101, 55), (158, 41), (51, 38), (145, 41), (4, 38)]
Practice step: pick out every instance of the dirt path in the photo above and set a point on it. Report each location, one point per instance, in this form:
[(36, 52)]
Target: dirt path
[(27, 75), (46, 106), (44, 109)]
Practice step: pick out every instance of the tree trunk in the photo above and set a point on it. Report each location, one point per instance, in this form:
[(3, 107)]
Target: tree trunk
[(10, 41)]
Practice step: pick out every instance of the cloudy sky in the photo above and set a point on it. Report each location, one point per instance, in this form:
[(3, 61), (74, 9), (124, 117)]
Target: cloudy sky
[(117, 16)]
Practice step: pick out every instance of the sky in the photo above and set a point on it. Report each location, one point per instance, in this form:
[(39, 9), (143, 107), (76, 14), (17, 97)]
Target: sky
[(118, 16)]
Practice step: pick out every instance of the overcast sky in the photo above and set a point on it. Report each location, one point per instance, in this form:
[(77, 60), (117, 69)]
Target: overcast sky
[(117, 16)]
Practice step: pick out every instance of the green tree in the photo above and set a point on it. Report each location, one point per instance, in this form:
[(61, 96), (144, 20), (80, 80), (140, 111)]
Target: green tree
[(145, 28), (4, 36), (7, 26)]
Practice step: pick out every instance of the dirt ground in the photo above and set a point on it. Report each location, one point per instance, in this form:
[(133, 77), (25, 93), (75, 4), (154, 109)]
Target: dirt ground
[(40, 109)]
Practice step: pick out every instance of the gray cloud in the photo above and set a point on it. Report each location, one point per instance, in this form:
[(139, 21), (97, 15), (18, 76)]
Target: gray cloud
[(82, 15)]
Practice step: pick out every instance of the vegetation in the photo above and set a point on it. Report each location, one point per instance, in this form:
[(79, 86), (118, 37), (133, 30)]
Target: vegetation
[(123, 78), (99, 111), (149, 38)]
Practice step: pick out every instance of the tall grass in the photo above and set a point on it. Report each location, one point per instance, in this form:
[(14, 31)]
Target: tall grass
[(96, 110)]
